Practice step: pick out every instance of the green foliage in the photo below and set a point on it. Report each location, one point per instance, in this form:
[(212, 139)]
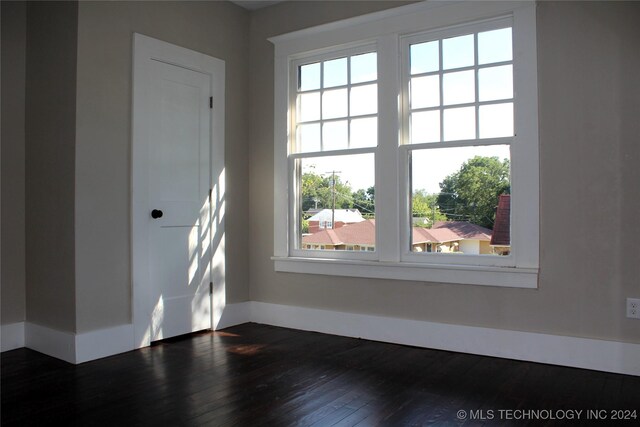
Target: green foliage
[(425, 205), (471, 194), (317, 189), (364, 201), (305, 226)]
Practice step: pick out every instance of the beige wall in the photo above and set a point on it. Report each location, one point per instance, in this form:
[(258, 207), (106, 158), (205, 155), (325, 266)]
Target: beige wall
[(105, 29), (78, 160), (588, 93), (12, 282), (50, 163)]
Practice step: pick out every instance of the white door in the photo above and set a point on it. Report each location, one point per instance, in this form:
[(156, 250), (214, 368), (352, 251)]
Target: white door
[(179, 176), (178, 191)]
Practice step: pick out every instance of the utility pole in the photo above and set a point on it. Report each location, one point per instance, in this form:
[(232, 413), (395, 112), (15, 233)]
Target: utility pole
[(433, 219), (333, 194)]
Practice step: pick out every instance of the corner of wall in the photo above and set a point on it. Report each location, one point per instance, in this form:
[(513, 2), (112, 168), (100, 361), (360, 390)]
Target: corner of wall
[(51, 54)]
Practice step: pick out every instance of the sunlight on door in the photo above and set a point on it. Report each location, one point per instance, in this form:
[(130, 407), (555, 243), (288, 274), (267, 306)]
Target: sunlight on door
[(177, 189)]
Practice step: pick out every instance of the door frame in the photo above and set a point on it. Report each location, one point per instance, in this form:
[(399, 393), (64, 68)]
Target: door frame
[(146, 50)]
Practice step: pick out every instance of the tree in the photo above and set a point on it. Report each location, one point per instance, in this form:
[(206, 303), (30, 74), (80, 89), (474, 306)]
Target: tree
[(317, 192), (364, 201), (425, 206), (472, 192)]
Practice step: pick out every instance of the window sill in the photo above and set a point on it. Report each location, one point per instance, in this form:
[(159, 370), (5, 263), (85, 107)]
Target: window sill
[(438, 273)]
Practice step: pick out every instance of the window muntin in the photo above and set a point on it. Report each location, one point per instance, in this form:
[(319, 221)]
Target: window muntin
[(332, 162), (459, 111), (336, 103), (460, 86)]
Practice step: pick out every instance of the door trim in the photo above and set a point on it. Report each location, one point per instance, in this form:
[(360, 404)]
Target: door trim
[(146, 50)]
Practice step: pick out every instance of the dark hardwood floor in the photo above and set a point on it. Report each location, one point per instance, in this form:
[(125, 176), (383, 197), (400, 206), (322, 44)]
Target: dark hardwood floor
[(257, 375)]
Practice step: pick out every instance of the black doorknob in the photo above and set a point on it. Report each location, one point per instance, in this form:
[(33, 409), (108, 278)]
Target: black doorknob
[(156, 213)]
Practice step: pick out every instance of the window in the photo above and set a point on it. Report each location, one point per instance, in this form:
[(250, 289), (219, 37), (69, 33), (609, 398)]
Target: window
[(332, 160), (459, 127), (407, 141)]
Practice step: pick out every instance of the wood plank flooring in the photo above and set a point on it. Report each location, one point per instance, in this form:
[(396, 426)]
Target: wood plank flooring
[(257, 375)]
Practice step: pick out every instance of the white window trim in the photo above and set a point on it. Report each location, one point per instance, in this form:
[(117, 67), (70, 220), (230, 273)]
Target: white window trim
[(385, 29), (293, 218), (406, 147)]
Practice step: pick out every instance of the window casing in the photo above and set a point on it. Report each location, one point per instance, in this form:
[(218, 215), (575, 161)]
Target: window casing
[(391, 34)]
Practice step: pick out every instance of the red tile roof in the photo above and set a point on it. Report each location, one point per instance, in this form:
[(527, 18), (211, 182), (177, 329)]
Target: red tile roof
[(462, 229), (359, 233), (364, 233), (502, 226)]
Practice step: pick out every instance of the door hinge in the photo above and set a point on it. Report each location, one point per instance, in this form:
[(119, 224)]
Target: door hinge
[(211, 102), (210, 288)]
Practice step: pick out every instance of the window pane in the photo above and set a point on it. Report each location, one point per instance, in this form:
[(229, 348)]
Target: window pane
[(364, 132), (494, 46), (425, 127), (335, 135), (364, 100), (335, 72), (334, 104), (496, 120), (457, 52), (337, 194), (459, 88), (309, 76), (424, 57), (495, 83), (425, 92), (364, 68), (309, 138), (456, 203), (459, 123), (309, 106)]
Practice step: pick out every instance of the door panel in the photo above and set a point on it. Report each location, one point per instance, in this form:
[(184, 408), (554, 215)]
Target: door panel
[(178, 149)]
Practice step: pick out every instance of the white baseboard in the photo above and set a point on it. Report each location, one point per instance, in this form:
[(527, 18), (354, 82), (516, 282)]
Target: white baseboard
[(601, 355), (61, 345), (12, 336), (609, 356), (79, 348), (234, 314), (104, 342)]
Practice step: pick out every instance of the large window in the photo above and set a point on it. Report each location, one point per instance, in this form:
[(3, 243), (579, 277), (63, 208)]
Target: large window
[(407, 143), (459, 125), (332, 161)]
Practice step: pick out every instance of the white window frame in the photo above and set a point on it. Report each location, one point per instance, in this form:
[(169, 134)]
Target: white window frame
[(295, 245), (392, 258), (406, 147)]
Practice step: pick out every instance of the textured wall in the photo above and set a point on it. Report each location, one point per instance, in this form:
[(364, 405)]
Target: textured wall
[(589, 151), (12, 282), (50, 163)]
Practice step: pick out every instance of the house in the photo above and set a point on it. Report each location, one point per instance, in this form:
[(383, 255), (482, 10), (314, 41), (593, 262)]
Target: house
[(356, 236), (325, 217), (71, 217), (501, 237), (445, 236), (452, 236)]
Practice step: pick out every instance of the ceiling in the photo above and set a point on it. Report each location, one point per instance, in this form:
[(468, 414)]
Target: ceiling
[(255, 4)]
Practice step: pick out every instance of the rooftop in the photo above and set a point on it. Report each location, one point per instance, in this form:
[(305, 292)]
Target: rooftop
[(342, 215), (364, 233)]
